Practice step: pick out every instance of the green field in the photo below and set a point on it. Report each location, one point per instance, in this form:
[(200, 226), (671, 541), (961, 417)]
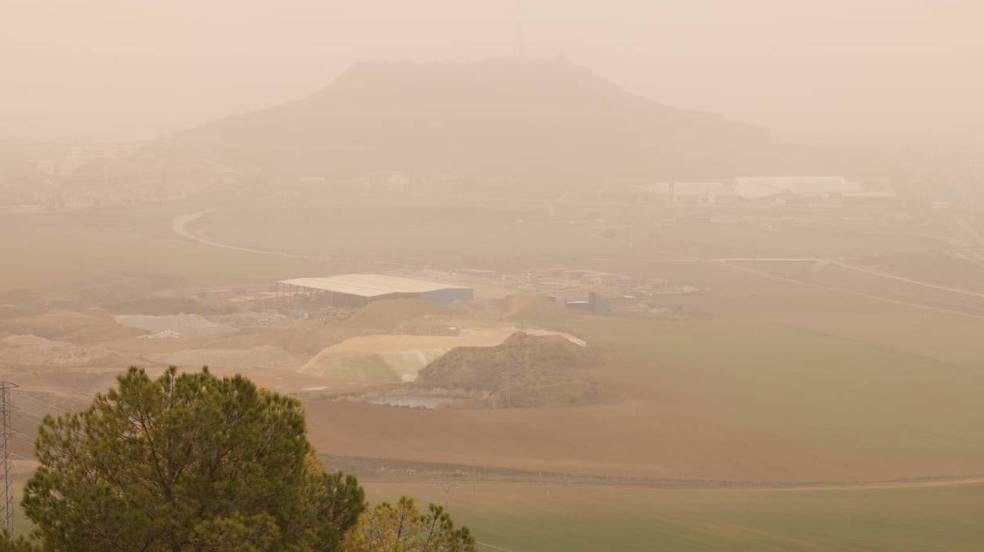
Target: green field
[(531, 518)]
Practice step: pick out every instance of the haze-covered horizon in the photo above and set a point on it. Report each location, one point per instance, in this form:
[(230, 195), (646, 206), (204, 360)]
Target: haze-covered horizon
[(509, 275), (870, 71)]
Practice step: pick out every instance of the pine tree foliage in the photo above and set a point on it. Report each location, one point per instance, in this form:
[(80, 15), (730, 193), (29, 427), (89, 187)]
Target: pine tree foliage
[(402, 528), (184, 463), (20, 544)]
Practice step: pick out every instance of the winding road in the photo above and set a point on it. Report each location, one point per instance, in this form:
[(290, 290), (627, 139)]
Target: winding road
[(180, 223)]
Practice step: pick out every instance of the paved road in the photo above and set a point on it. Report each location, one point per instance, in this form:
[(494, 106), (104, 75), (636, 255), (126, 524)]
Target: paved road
[(180, 223), (856, 268), (920, 283), (870, 296), (729, 261)]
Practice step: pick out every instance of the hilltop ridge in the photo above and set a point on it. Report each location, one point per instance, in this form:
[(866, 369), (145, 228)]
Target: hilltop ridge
[(490, 119)]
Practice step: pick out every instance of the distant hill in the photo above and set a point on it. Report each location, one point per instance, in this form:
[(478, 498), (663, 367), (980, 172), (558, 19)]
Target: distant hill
[(489, 120)]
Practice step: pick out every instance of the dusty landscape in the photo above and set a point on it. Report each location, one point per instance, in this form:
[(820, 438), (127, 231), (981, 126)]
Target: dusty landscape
[(688, 277), (822, 371)]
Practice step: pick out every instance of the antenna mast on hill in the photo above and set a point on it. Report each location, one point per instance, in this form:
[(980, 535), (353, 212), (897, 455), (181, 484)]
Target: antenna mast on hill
[(8, 497)]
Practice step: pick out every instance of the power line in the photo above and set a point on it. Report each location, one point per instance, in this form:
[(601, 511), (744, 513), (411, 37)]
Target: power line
[(55, 407), (21, 412), (7, 500), (24, 438)]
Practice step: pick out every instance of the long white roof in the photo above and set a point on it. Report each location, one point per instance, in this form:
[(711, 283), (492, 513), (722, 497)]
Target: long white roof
[(369, 285)]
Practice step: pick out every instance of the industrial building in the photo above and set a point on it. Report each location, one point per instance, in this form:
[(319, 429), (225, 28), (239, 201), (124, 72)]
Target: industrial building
[(351, 291)]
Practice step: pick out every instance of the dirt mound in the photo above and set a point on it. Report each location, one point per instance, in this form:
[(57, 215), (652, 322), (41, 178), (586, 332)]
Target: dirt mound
[(378, 359), (242, 360), (250, 320), (302, 339), (31, 350), (85, 327), (393, 314), (525, 370), (352, 369), (183, 325), (392, 358), (160, 306)]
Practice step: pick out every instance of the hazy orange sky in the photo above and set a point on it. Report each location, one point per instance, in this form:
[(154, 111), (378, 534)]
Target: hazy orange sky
[(813, 70)]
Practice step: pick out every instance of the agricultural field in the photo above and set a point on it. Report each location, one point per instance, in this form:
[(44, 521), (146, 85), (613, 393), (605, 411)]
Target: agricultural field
[(725, 399), (811, 406), (547, 518)]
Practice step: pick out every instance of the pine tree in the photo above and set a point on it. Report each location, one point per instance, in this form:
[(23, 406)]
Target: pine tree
[(186, 463), (402, 528)]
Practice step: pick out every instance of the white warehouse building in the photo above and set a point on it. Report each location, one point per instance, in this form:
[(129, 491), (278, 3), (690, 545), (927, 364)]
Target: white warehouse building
[(358, 290)]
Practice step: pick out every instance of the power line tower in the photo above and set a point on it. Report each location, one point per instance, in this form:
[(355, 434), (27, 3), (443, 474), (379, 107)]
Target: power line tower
[(7, 500)]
